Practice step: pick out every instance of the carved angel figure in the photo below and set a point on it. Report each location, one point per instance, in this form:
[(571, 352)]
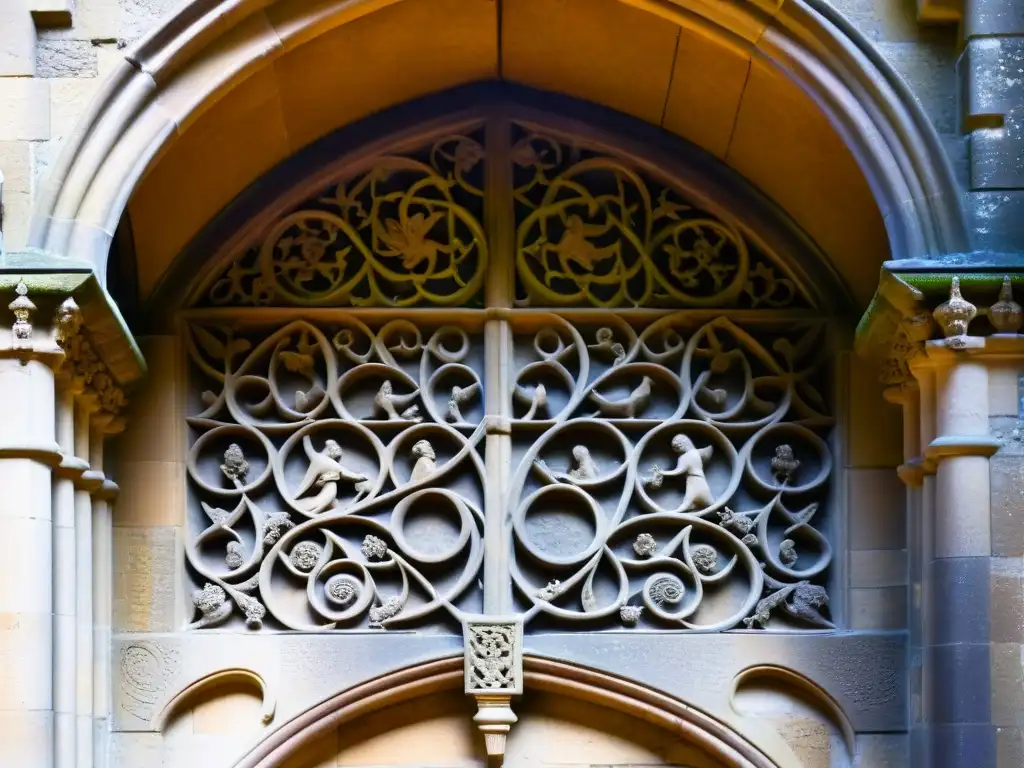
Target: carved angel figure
[(586, 468), (426, 461), (689, 465), (325, 472)]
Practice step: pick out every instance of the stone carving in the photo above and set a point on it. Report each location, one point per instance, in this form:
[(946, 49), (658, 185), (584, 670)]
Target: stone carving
[(784, 464), (1006, 314), (802, 601), (67, 321), (689, 466), (84, 363), (645, 545), (492, 651), (147, 671), (617, 540), (325, 473), (592, 230), (398, 230), (22, 307), (954, 315), (426, 461), (319, 500)]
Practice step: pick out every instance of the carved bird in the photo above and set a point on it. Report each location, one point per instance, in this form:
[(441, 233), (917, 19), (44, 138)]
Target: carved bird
[(388, 402), (606, 343), (461, 396), (627, 408), (536, 401)]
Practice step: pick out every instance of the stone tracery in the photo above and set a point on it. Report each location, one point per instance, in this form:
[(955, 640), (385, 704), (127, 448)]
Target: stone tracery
[(665, 466)]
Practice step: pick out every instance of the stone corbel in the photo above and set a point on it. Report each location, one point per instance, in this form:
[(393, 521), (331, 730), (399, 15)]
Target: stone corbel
[(493, 675)]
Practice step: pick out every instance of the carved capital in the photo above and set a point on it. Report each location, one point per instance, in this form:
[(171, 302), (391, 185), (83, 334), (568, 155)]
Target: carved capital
[(921, 305)]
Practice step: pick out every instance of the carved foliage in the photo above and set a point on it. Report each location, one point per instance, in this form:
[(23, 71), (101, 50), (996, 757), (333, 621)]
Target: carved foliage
[(670, 474), (335, 475), (401, 229), (593, 230)]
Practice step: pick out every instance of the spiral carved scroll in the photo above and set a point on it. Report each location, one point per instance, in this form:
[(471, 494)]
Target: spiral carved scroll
[(336, 475), (592, 230), (672, 475), (401, 231)]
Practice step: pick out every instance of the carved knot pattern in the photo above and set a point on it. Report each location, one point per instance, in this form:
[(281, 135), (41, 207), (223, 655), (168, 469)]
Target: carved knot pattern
[(492, 658), (335, 474), (593, 230), (671, 475), (399, 230)]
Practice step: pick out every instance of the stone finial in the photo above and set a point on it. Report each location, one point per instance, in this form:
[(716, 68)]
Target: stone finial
[(955, 314), (22, 307), (1006, 314)]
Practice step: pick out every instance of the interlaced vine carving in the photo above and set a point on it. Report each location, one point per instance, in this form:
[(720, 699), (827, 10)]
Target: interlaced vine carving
[(336, 475), (661, 464), (671, 474), (593, 231), (401, 230)]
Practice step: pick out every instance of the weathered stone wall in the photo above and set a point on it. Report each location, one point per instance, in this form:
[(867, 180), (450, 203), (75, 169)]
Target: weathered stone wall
[(51, 64)]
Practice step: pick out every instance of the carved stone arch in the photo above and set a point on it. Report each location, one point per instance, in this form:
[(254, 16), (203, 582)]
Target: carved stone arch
[(720, 740)]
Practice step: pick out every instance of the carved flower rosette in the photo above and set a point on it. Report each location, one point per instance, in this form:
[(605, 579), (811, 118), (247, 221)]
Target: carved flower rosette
[(670, 474), (335, 475)]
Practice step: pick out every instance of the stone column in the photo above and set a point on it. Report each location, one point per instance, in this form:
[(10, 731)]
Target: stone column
[(59, 365), (28, 454), (964, 467)]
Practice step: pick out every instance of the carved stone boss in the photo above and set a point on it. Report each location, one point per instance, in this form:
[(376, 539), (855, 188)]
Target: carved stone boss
[(660, 470)]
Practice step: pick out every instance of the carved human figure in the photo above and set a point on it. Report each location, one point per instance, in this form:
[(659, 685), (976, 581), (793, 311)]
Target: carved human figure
[(689, 465), (388, 402), (426, 461), (325, 472), (586, 468)]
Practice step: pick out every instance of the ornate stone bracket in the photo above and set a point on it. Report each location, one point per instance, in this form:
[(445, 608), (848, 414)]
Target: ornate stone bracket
[(493, 648)]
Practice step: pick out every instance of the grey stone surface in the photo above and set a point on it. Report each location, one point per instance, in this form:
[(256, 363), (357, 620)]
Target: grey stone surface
[(864, 673), (929, 68), (65, 58), (1007, 600), (996, 219), (881, 20), (994, 17), (882, 750), (956, 746), (957, 685), (959, 600), (878, 608), (145, 578), (877, 515), (878, 567), (1007, 505), (1009, 747), (994, 72), (1007, 684)]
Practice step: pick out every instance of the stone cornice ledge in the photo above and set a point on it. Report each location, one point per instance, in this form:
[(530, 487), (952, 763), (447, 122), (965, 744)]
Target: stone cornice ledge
[(899, 326), (47, 273), (948, 446)]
